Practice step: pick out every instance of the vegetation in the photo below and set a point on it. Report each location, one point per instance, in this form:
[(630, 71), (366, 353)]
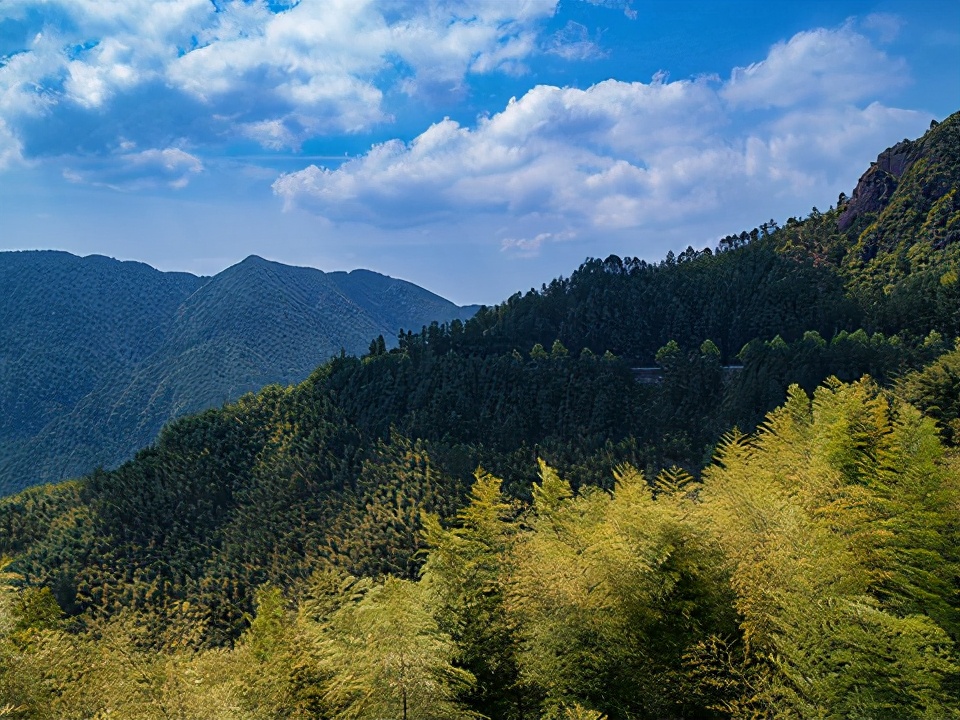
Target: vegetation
[(810, 573), (762, 533), (97, 355)]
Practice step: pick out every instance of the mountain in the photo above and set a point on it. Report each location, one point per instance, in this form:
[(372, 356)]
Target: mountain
[(896, 240), (304, 504), (96, 355), (887, 259)]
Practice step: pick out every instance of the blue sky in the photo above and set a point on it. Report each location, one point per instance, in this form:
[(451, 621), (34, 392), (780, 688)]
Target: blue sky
[(476, 148)]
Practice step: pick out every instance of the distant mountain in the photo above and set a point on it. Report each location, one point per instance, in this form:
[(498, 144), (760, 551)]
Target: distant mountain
[(96, 355), (333, 473)]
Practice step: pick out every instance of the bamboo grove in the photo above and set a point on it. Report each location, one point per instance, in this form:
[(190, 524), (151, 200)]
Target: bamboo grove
[(496, 520), (811, 572)]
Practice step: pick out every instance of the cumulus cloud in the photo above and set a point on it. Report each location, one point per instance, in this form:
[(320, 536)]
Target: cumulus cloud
[(825, 66), (123, 93), (84, 52), (803, 150), (612, 156), (563, 162), (555, 150), (130, 169), (276, 73)]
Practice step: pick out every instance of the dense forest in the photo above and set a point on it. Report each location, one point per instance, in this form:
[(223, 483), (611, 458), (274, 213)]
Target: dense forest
[(771, 530), (97, 355)]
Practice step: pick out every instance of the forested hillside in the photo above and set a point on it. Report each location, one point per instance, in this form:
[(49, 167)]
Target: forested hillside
[(885, 262), (810, 572), (97, 355), (777, 541)]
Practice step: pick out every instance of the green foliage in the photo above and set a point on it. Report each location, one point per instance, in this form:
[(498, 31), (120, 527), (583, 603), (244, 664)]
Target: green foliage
[(388, 658), (380, 532), (898, 251), (812, 573), (466, 577), (551, 492), (97, 355), (770, 367), (576, 712), (835, 523), (326, 550), (611, 592), (701, 297), (936, 390)]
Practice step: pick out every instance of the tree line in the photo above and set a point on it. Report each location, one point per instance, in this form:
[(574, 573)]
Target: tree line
[(809, 572)]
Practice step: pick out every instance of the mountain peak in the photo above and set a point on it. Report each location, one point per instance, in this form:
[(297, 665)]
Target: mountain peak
[(147, 346), (254, 260), (877, 185)]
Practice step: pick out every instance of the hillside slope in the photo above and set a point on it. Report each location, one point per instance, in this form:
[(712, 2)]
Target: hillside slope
[(334, 472), (896, 240), (97, 355), (886, 260)]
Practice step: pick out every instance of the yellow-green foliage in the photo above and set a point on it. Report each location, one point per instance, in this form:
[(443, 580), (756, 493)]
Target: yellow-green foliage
[(811, 573), (838, 526), (936, 390), (387, 657), (613, 589)]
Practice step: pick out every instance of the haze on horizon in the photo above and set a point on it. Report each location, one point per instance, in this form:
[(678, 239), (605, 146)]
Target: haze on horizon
[(474, 148)]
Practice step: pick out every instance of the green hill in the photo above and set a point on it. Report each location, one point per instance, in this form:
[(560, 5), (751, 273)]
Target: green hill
[(97, 355), (896, 240), (275, 545)]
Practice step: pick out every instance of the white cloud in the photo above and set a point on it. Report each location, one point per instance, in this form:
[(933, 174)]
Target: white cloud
[(278, 77), (530, 247), (647, 157), (625, 5), (887, 26), (136, 170), (558, 151), (820, 66), (807, 149), (10, 148), (112, 76), (91, 49), (22, 92), (573, 42), (600, 155)]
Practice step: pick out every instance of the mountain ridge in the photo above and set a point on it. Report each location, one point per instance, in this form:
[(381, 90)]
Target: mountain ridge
[(96, 354), (364, 477)]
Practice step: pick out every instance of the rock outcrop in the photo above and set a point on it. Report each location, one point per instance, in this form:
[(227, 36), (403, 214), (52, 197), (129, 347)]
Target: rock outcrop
[(877, 185)]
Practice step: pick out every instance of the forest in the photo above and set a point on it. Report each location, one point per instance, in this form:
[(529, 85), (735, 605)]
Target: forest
[(494, 519)]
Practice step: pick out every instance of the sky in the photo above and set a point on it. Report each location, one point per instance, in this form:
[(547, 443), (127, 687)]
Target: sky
[(477, 148)]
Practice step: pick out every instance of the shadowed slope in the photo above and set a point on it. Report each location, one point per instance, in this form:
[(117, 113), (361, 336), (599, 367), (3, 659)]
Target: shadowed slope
[(96, 355)]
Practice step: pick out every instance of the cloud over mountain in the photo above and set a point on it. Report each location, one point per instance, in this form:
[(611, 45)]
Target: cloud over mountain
[(630, 154), (146, 128)]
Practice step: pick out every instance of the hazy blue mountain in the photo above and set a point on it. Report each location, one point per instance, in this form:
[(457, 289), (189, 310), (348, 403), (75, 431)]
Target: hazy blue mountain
[(97, 354)]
